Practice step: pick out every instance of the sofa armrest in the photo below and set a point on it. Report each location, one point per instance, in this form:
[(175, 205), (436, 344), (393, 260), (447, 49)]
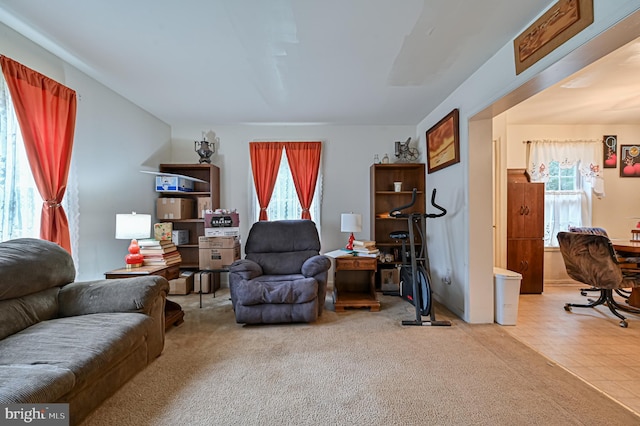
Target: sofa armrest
[(119, 295), (316, 265), (246, 269)]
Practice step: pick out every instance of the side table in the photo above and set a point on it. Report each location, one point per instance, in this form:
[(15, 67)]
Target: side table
[(173, 313), (354, 283), (214, 280)]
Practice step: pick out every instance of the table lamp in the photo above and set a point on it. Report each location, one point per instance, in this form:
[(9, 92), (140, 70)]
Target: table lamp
[(133, 226), (350, 222)]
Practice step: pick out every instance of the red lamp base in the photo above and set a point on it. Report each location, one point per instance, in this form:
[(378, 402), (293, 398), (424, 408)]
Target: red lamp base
[(350, 243), (134, 259)]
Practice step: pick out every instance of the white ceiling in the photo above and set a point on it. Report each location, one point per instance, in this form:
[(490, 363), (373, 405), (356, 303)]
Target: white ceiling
[(277, 61), (605, 92)]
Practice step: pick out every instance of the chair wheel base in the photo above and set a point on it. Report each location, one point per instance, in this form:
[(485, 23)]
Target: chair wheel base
[(567, 308), (624, 324)]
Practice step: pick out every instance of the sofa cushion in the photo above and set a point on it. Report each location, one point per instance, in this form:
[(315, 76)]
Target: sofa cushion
[(20, 383), (98, 342), (279, 289), (30, 265), (22, 312)]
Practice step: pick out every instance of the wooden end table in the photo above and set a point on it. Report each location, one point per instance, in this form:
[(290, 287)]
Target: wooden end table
[(173, 313), (354, 283)]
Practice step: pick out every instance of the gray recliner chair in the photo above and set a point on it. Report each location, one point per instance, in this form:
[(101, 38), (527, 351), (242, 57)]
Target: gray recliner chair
[(283, 277)]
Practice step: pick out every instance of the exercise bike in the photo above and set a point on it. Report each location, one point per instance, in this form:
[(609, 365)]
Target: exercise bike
[(415, 275)]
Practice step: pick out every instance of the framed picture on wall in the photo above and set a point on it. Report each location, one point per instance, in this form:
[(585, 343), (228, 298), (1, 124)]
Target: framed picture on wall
[(629, 161), (443, 143), (558, 24), (609, 150)]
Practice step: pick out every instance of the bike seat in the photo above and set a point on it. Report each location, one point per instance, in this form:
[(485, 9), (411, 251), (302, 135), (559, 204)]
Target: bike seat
[(399, 235)]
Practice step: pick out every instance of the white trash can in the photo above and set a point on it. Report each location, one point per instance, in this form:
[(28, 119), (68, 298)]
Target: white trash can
[(506, 295)]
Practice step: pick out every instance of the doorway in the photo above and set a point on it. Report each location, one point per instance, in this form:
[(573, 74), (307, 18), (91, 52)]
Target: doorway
[(493, 117)]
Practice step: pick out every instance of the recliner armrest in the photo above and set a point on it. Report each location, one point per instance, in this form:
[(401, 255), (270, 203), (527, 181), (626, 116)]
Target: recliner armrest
[(316, 265), (118, 295), (246, 269)]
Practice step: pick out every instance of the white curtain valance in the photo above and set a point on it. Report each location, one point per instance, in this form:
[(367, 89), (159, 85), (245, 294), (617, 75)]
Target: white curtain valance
[(586, 153)]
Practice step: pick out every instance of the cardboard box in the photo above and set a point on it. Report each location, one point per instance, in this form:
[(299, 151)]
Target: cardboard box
[(222, 232), (218, 258), (162, 230), (183, 284), (218, 242), (180, 236), (173, 184), (210, 282), (204, 203), (202, 280), (174, 208), (390, 279), (218, 220)]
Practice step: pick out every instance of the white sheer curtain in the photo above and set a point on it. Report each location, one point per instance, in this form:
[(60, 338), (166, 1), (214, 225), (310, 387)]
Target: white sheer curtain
[(561, 211), (20, 202), (566, 208), (587, 155)]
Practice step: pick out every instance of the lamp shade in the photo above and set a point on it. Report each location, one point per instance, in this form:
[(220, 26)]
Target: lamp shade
[(133, 226), (350, 222)]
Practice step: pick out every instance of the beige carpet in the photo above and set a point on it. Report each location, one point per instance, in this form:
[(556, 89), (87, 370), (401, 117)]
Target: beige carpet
[(352, 368)]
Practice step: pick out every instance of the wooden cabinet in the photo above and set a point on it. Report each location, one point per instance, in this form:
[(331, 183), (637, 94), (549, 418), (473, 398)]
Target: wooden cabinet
[(209, 189), (354, 283), (525, 230), (384, 199)]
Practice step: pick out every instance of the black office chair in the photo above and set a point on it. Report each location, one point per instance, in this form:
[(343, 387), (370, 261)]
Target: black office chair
[(591, 259)]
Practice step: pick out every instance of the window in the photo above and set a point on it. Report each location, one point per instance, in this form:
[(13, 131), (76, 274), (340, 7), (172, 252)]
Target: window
[(563, 200), (562, 178), (284, 201), (568, 169), (284, 204), (20, 201)]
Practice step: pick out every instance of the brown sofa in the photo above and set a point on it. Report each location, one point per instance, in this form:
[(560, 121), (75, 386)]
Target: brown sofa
[(72, 342)]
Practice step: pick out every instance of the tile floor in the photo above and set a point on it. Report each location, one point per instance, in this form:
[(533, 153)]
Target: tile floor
[(589, 342)]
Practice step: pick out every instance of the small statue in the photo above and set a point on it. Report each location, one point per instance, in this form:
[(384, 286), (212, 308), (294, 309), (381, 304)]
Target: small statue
[(205, 151)]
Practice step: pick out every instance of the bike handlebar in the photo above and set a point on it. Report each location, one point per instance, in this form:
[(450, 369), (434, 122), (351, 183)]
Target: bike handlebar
[(397, 212)]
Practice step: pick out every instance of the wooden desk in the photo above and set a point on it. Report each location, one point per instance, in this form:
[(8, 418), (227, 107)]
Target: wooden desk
[(354, 283), (173, 313), (627, 248)]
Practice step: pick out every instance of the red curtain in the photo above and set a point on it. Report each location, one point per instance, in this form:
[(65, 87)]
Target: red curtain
[(304, 162), (265, 162), (46, 112)]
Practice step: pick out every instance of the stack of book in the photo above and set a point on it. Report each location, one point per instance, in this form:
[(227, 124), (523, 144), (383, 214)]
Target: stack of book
[(365, 248), (159, 252)]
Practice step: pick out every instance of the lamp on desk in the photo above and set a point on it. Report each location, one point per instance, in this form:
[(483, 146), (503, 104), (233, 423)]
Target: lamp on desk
[(133, 226), (350, 222)]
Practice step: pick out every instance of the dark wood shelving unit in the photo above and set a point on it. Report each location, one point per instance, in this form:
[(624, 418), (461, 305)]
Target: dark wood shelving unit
[(384, 199), (210, 188)]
